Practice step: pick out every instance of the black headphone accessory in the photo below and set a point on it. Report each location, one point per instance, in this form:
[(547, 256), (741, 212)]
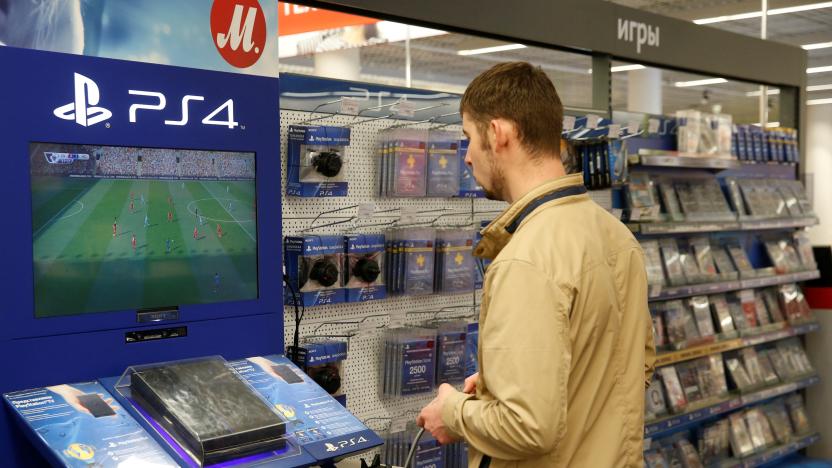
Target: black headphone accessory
[(328, 163), (366, 269), (324, 272)]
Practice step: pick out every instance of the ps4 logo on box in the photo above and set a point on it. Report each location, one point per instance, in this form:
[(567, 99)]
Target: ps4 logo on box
[(84, 110), (344, 443)]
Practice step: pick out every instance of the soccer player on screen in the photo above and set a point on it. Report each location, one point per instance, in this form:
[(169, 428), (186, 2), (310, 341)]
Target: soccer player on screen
[(170, 216), (196, 233), (133, 242), (146, 221), (167, 245), (219, 231), (216, 282), (115, 227), (131, 206)]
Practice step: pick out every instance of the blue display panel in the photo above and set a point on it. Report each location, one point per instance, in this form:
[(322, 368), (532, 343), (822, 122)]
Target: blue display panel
[(76, 107)]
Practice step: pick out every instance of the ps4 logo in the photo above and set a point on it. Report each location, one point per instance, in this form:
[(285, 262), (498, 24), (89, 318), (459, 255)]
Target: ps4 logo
[(84, 110), (344, 443)]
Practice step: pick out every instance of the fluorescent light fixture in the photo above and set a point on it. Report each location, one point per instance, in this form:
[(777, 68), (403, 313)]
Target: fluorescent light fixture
[(688, 84), (488, 50), (757, 93), (827, 68), (622, 68), (817, 45), (820, 87), (768, 124), (757, 14), (817, 102)]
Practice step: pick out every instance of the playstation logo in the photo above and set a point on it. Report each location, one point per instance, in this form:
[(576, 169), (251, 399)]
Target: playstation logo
[(84, 111)]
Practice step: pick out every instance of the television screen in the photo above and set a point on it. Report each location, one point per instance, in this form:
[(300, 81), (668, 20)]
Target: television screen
[(117, 228)]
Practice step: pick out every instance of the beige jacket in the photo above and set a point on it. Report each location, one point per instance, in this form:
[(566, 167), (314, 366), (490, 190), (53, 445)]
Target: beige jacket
[(566, 342)]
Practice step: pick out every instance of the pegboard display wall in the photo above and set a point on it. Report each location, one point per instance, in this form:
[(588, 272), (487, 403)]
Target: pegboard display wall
[(366, 321)]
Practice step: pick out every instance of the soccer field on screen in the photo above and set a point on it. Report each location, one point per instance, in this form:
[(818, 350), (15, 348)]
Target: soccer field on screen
[(81, 265)]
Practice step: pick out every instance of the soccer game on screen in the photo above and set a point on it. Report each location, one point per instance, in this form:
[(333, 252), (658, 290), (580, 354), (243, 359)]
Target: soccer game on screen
[(118, 228)]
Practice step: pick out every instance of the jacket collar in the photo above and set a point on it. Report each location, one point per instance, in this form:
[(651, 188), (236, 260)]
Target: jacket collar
[(497, 234)]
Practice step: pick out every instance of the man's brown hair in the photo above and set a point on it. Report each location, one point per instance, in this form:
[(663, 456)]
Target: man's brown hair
[(523, 94)]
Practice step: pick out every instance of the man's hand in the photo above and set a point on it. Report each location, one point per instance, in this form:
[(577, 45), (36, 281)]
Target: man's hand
[(431, 416), (470, 386)]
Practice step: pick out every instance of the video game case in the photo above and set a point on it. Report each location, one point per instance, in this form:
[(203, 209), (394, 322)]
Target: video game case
[(751, 362), (715, 442), (673, 389), (777, 256), (689, 380), (702, 251), (762, 312), (797, 414), (772, 305), (702, 314), (749, 307), (767, 368), (688, 454), (737, 313), (655, 404), (655, 459), (781, 365), (659, 332), (653, 262), (755, 428), (672, 263), (738, 374), (778, 417), (671, 202), (713, 370), (740, 259), (722, 313), (740, 438), (679, 323), (804, 250), (723, 262)]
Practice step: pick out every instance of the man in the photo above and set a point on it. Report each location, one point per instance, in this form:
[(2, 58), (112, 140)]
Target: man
[(566, 345)]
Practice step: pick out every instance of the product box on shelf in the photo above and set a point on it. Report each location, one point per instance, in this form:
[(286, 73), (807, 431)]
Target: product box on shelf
[(316, 161), (314, 264), (364, 267)]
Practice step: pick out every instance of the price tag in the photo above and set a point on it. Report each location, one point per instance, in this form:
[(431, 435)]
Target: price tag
[(405, 109), (398, 425), (614, 131), (366, 210), (653, 126), (396, 320), (568, 123), (349, 106), (633, 126), (408, 215), (592, 121)]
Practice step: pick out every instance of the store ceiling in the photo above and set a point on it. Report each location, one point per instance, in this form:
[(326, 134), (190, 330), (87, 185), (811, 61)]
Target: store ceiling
[(436, 64)]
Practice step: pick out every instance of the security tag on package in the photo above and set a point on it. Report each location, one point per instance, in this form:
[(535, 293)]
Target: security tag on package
[(568, 123), (614, 130), (653, 126), (592, 121), (405, 109), (349, 106)]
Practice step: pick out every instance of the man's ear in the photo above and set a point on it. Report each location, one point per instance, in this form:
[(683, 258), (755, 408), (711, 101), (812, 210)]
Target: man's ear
[(501, 133)]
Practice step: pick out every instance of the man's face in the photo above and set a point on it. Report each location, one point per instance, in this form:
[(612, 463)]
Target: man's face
[(482, 161)]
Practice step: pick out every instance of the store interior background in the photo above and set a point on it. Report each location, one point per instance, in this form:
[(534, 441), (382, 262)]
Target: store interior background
[(411, 56)]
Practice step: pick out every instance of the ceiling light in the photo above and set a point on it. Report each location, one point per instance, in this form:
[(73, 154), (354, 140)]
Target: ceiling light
[(817, 102), (821, 87), (757, 93), (826, 68), (768, 124), (622, 68), (817, 45), (687, 84), (758, 14), (488, 50)]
